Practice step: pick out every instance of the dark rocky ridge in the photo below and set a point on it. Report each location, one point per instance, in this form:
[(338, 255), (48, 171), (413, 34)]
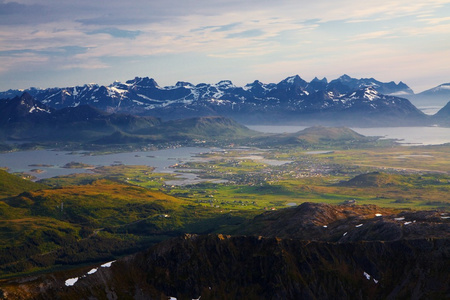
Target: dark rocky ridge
[(348, 223), (286, 254), (224, 267)]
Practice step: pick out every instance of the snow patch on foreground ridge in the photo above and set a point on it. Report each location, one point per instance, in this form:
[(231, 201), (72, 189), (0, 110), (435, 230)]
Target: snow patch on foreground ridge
[(72, 281), (92, 271), (108, 264), (368, 276)]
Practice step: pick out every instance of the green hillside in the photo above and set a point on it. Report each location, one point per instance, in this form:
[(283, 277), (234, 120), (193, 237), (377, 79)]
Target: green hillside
[(208, 129), (319, 133), (49, 228), (12, 185), (374, 179)]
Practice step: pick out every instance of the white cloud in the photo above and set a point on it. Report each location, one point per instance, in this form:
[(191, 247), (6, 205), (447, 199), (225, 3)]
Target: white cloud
[(433, 21), (290, 34), (372, 35)]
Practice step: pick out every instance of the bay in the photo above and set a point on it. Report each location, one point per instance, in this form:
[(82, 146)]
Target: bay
[(51, 163)]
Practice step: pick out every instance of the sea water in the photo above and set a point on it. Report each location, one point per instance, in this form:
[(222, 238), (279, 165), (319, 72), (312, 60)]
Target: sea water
[(52, 163)]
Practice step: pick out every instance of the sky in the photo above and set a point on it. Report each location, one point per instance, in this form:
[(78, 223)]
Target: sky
[(57, 43)]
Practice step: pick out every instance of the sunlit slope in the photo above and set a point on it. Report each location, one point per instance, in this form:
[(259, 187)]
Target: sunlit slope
[(12, 185), (71, 225)]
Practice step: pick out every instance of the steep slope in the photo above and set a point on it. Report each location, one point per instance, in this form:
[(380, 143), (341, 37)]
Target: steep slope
[(22, 109), (11, 185), (443, 115), (20, 115)]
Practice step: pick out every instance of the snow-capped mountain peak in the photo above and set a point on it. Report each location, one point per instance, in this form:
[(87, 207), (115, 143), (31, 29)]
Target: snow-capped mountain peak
[(442, 87), (370, 94), (290, 96), (225, 84)]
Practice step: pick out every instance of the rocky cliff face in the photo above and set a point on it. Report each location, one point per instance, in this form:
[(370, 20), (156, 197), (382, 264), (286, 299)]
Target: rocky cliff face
[(365, 263)]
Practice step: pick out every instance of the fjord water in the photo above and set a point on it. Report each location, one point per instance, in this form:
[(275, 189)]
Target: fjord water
[(406, 135), (52, 162)]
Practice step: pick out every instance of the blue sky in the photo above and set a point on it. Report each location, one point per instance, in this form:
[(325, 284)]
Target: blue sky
[(65, 43)]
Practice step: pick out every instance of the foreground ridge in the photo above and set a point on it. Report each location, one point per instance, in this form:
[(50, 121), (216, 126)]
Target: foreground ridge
[(271, 264), (245, 267)]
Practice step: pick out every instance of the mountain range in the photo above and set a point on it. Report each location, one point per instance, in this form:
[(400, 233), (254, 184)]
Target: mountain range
[(24, 118), (343, 101)]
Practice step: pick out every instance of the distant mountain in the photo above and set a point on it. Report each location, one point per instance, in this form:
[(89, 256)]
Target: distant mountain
[(344, 101), (197, 130), (316, 135), (443, 115), (25, 118), (437, 96), (22, 109), (346, 84)]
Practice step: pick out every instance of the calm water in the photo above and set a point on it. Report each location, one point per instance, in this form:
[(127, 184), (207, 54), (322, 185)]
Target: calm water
[(25, 161), (406, 135)]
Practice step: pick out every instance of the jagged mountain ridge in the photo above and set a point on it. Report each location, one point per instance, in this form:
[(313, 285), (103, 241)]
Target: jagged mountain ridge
[(291, 100)]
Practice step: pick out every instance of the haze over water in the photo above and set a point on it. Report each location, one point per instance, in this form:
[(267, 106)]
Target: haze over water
[(405, 135)]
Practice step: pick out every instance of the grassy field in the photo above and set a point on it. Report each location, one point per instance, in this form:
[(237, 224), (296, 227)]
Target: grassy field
[(412, 177)]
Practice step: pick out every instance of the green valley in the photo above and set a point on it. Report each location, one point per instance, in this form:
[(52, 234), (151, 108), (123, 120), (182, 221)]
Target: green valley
[(67, 221)]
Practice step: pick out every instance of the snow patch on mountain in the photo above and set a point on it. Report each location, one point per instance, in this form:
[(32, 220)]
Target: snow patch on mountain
[(371, 94)]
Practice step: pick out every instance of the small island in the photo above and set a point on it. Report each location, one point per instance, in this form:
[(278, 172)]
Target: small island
[(77, 165)]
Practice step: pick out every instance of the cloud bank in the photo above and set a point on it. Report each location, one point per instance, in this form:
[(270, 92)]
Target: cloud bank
[(59, 43)]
